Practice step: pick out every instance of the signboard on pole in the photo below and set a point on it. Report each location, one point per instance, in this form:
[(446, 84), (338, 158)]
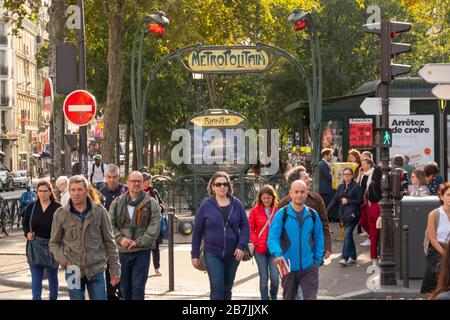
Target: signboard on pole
[(360, 133), (436, 73), (80, 107), (413, 136), (372, 106), (442, 91), (47, 100)]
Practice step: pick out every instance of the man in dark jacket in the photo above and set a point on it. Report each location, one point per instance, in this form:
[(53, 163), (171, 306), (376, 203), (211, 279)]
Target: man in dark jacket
[(325, 176), (111, 190), (135, 218), (314, 201)]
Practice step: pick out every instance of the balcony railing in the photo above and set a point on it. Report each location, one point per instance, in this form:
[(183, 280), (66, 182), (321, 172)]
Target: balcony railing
[(4, 101), (3, 70), (3, 39)]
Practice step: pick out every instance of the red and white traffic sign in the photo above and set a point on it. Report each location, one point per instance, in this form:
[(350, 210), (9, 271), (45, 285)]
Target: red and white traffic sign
[(47, 106), (80, 107)]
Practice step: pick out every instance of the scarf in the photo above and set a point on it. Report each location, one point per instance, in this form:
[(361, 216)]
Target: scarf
[(135, 202), (368, 174)]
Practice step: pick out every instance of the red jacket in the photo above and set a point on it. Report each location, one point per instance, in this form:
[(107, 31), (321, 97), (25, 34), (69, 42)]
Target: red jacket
[(257, 219)]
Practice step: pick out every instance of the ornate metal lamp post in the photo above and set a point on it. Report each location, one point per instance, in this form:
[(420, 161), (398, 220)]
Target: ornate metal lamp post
[(155, 24), (304, 20)]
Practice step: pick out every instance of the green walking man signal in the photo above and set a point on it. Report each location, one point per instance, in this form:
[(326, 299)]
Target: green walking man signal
[(382, 138)]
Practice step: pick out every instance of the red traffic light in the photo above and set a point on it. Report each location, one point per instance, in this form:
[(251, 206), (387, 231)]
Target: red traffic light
[(301, 24), (156, 28)]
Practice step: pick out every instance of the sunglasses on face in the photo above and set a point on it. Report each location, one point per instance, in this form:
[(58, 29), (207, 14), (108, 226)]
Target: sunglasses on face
[(219, 184)]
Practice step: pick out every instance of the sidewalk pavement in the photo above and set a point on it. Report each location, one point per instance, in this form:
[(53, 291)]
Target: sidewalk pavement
[(335, 282)]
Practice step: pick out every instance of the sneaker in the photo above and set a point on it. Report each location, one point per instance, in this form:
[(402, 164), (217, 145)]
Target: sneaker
[(366, 243), (351, 261), (343, 262)]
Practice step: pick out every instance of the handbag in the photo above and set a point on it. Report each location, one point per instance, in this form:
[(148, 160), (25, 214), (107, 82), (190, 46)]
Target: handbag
[(201, 258), (249, 252), (38, 252), (349, 214)]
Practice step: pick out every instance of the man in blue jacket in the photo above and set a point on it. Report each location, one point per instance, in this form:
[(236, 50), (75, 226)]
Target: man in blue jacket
[(297, 240)]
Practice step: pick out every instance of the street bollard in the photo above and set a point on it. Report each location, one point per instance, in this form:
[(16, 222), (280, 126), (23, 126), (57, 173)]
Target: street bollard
[(171, 262), (405, 258)]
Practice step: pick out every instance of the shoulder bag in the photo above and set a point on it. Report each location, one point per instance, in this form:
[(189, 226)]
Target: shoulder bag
[(38, 252)]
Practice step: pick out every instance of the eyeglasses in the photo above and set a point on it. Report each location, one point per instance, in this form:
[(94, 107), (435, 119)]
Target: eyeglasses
[(219, 184), (348, 174), (135, 181)]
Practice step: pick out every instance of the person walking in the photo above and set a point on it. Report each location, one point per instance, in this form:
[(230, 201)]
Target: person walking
[(442, 291), (260, 219), (349, 197), (37, 223), (96, 172), (135, 218), (82, 242), (62, 183), (438, 234), (110, 191), (221, 222), (296, 242), (419, 184), (313, 201), (152, 192), (433, 178)]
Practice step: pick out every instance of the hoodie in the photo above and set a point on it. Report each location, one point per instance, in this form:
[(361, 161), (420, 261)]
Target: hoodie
[(219, 239)]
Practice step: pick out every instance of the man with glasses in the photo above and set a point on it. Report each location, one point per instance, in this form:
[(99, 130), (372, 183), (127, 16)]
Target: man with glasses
[(135, 217), (111, 190)]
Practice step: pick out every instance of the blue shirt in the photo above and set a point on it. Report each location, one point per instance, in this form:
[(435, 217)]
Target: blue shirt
[(82, 215)]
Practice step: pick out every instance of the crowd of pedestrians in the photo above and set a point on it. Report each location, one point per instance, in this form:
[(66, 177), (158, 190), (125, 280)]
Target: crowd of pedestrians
[(104, 234)]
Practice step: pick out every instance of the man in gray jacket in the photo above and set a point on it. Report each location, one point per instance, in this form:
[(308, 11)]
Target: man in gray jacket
[(82, 242), (135, 218)]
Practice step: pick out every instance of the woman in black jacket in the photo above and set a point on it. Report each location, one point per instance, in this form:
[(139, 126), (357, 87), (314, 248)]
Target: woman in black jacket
[(349, 197), (37, 222)]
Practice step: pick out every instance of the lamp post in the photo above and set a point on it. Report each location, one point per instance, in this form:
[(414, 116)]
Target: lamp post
[(155, 24), (198, 77), (301, 21)]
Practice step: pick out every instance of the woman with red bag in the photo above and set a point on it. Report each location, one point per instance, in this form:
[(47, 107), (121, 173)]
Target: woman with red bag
[(260, 218)]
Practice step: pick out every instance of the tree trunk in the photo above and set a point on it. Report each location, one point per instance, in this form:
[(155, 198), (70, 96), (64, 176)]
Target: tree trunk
[(56, 37), (127, 148), (118, 147), (134, 164), (152, 154), (145, 163), (114, 89)]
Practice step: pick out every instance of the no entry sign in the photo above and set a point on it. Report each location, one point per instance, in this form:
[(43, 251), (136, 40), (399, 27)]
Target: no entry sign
[(47, 106), (80, 107)]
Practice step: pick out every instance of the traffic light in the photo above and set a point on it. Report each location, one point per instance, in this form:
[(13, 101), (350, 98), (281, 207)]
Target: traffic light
[(382, 138), (387, 31)]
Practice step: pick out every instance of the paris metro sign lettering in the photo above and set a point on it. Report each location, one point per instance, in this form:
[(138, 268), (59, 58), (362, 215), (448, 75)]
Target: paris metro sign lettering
[(233, 59)]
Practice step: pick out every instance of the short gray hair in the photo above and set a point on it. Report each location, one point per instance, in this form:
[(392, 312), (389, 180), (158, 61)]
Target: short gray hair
[(78, 179), (61, 180), (112, 169)]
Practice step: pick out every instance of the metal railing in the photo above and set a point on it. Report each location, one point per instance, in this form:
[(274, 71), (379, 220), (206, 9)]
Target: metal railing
[(9, 215)]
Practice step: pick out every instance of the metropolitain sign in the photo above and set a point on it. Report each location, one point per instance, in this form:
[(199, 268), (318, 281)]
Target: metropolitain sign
[(228, 59)]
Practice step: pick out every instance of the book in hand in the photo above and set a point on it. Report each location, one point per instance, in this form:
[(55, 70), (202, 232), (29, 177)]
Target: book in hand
[(283, 265)]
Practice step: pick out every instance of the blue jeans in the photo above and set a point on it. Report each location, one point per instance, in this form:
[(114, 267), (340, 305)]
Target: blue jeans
[(267, 269), (134, 274), (349, 249), (37, 275), (221, 273), (96, 287)]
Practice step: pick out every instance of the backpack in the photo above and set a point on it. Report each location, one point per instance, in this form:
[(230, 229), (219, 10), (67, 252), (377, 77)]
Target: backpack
[(426, 240), (26, 198), (93, 171), (285, 242)]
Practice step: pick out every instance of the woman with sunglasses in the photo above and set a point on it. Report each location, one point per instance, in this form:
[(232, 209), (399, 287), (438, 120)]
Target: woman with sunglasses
[(349, 196), (222, 223)]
